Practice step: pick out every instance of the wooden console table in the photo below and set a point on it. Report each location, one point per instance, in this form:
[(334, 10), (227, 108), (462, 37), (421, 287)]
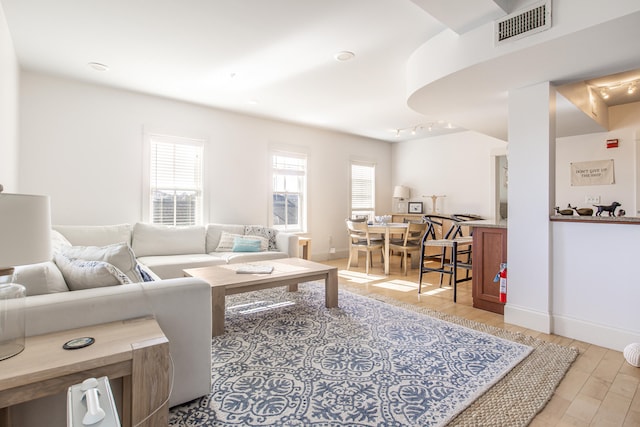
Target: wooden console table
[(305, 244), (135, 350)]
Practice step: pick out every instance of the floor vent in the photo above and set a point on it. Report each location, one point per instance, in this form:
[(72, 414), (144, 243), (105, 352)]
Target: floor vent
[(534, 19)]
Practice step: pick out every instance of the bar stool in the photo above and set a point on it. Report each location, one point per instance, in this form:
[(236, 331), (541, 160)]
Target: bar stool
[(460, 247)]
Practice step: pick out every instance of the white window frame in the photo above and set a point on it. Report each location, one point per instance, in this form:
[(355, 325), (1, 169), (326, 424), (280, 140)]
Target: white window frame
[(369, 209), (301, 227), (148, 181)]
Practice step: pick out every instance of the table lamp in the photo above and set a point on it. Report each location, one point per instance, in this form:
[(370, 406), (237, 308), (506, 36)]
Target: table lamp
[(25, 238), (401, 192)]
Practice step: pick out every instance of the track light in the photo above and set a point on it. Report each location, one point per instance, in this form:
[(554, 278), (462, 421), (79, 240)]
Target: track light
[(441, 125), (632, 88)]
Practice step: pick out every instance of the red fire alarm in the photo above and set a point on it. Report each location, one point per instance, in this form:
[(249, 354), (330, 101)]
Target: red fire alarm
[(612, 143)]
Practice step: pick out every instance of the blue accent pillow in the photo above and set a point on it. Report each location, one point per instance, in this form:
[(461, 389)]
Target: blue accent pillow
[(242, 244)]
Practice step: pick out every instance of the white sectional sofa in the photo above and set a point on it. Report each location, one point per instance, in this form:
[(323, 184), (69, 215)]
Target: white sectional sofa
[(168, 250), (109, 286)]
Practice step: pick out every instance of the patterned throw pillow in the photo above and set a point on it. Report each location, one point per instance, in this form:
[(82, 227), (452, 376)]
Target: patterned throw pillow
[(120, 255), (82, 274), (268, 233)]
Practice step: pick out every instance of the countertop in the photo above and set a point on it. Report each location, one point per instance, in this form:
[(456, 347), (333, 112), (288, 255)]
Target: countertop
[(487, 223), (596, 219)]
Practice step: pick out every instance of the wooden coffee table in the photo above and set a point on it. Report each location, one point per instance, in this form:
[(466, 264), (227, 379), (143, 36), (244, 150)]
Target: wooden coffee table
[(286, 272)]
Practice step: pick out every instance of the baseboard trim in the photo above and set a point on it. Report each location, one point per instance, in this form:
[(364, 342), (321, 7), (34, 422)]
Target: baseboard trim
[(593, 333), (577, 329), (527, 318), (329, 256)]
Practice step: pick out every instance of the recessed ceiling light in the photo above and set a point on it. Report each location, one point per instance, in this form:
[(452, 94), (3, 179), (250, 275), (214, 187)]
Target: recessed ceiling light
[(344, 55), (98, 66)]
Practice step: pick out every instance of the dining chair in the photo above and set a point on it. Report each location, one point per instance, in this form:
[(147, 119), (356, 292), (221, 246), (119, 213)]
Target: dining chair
[(410, 243), (362, 240), (452, 239)]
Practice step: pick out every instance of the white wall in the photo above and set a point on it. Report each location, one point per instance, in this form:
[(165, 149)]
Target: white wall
[(82, 145), (624, 122), (9, 76), (595, 293), (457, 165)]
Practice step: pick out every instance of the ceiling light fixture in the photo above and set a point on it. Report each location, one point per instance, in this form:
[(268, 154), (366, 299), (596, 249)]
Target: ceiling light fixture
[(98, 66), (440, 125), (344, 55), (606, 90)]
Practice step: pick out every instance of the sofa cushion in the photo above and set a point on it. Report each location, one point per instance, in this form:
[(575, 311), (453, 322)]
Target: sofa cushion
[(41, 278), (95, 235), (266, 232), (171, 266), (80, 274), (119, 255), (155, 239), (237, 257), (214, 233)]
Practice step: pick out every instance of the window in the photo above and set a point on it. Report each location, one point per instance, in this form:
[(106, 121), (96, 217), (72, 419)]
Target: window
[(363, 189), (175, 181), (288, 207)]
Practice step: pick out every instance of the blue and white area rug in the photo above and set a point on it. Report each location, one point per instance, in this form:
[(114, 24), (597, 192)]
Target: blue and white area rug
[(286, 360)]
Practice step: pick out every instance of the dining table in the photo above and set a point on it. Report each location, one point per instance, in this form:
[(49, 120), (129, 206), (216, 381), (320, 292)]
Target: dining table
[(387, 229)]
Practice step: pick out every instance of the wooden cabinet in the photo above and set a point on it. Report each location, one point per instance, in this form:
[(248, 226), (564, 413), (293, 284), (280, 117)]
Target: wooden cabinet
[(489, 250)]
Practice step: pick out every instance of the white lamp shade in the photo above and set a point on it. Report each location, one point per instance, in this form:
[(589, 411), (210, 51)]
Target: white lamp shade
[(401, 192), (25, 229)]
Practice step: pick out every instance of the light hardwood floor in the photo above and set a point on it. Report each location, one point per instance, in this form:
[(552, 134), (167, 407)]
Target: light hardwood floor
[(600, 388)]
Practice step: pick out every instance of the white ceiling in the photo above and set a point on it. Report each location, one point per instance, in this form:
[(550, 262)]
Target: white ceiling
[(265, 58)]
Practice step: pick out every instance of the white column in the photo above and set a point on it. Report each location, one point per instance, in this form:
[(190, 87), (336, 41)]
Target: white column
[(531, 194)]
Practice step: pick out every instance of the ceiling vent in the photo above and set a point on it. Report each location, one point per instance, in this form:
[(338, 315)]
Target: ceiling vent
[(533, 19)]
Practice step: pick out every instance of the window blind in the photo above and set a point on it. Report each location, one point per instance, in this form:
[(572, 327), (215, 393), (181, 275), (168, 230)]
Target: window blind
[(176, 182), (289, 187), (362, 187)]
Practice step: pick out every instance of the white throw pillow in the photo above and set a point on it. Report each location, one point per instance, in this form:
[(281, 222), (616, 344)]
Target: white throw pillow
[(41, 278), (58, 242), (81, 274), (214, 232), (226, 241), (119, 255), (154, 240)]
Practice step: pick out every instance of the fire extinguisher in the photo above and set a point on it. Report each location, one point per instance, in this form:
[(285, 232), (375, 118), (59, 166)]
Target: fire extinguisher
[(503, 282)]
